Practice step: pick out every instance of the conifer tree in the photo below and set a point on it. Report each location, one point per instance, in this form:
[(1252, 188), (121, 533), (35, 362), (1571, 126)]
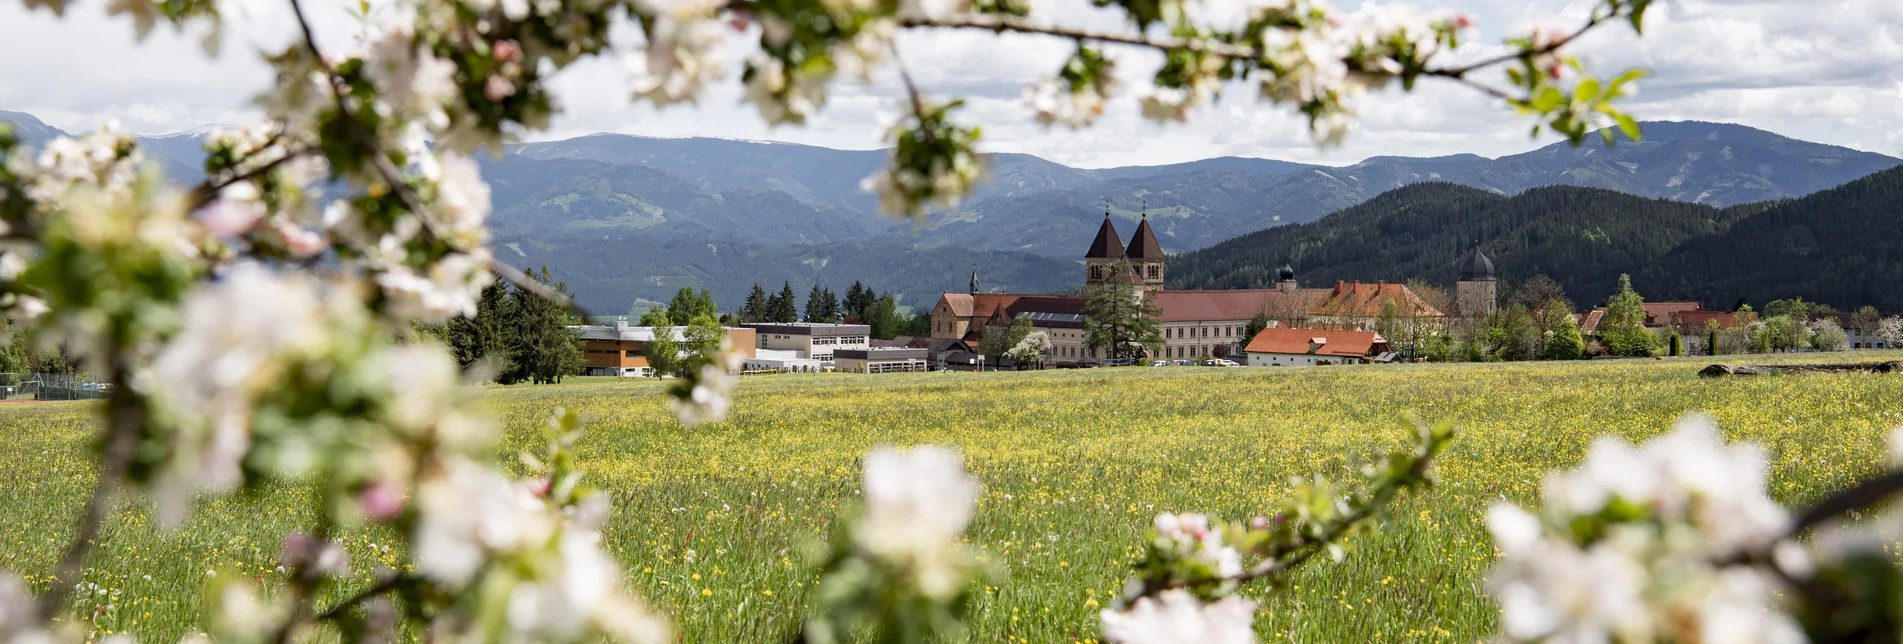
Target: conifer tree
[(756, 306), (785, 308), (1118, 324), (829, 308), (815, 306)]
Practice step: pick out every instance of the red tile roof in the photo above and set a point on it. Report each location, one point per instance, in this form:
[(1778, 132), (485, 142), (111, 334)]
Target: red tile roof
[(1589, 321), (1692, 321), (1660, 313), (1286, 341), (1364, 300)]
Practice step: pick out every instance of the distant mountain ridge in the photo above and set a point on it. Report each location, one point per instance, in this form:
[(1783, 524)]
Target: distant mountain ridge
[(645, 192)]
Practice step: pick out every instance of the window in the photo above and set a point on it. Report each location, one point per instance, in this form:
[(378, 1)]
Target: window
[(1205, 332), (634, 353), (1154, 271), (1096, 272)]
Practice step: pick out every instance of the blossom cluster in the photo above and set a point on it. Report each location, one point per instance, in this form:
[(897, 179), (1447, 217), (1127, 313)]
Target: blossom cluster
[(899, 566), (1633, 546)]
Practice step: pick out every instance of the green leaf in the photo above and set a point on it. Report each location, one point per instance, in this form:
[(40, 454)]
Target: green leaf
[(1628, 125), (1587, 90)]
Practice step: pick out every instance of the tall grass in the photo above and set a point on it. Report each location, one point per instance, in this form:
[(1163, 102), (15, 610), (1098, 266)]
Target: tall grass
[(710, 522)]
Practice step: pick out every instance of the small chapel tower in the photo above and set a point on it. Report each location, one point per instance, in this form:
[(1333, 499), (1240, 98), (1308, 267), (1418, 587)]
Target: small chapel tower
[(1477, 291)]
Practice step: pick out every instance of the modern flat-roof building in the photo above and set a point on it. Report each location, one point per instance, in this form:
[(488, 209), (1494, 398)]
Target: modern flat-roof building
[(622, 350), (890, 360), (816, 341), (782, 361)]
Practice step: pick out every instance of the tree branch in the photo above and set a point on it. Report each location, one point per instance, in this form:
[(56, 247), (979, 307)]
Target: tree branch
[(387, 584), (207, 191), (394, 178), (999, 23), (125, 416)]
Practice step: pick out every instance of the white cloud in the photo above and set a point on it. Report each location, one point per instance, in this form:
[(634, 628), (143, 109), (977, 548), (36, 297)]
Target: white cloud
[(1829, 71)]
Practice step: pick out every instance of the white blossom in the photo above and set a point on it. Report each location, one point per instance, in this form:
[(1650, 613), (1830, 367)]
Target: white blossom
[(1191, 534), (238, 336), (468, 513), (1054, 102), (918, 502), (1666, 513), (1176, 617), (19, 618), (449, 289), (685, 52)]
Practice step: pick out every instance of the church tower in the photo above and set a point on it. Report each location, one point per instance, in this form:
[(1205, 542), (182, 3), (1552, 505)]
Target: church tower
[(1146, 259), (1476, 293), (974, 279), (1285, 280), (1105, 253)]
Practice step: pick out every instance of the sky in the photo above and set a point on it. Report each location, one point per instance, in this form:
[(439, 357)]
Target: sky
[(1829, 71)]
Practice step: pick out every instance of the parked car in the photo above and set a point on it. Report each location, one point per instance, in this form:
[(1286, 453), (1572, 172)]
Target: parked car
[(1227, 363), (1184, 363), (1160, 363)]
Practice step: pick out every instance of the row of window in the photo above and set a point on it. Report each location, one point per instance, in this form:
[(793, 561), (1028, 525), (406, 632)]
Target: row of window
[(631, 353), (1227, 331)]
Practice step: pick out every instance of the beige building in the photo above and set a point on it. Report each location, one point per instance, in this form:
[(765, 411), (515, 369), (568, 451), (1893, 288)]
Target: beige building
[(883, 360), (816, 341)]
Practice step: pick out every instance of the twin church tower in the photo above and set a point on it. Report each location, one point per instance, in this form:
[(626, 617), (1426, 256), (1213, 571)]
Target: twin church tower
[(1144, 256)]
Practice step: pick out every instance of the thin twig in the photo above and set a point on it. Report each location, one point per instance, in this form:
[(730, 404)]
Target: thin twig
[(1001, 23), (394, 177), (207, 191), (1597, 19), (385, 585), (125, 415)]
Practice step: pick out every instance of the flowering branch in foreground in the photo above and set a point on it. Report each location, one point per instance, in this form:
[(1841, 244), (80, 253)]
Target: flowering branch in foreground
[(1184, 587)]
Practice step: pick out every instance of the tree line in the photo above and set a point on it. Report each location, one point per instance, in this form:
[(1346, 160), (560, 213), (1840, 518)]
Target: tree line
[(862, 304), (520, 335)]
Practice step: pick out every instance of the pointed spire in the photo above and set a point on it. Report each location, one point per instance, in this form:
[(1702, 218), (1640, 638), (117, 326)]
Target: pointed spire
[(1143, 244), (1108, 244), (974, 278)]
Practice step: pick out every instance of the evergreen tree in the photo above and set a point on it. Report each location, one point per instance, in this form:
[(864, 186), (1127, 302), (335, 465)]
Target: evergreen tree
[(1255, 326), (756, 307), (859, 300), (1117, 324), (829, 307), (785, 309), (485, 336), (1623, 329), (815, 306), (1675, 344), (541, 348)]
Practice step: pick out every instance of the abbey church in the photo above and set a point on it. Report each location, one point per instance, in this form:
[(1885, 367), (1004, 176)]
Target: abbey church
[(1195, 324)]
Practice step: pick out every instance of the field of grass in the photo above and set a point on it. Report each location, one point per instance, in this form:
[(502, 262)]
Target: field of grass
[(710, 521)]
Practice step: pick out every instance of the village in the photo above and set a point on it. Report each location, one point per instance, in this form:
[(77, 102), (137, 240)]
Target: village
[(1348, 323)]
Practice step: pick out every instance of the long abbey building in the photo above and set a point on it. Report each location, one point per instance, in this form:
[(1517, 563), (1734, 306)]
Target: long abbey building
[(1194, 323)]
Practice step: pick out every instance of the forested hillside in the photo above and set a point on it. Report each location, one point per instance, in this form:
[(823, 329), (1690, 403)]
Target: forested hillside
[(608, 274), (1838, 246), (1842, 247)]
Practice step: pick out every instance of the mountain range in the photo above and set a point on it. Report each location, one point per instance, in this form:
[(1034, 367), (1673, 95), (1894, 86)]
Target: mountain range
[(624, 217)]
